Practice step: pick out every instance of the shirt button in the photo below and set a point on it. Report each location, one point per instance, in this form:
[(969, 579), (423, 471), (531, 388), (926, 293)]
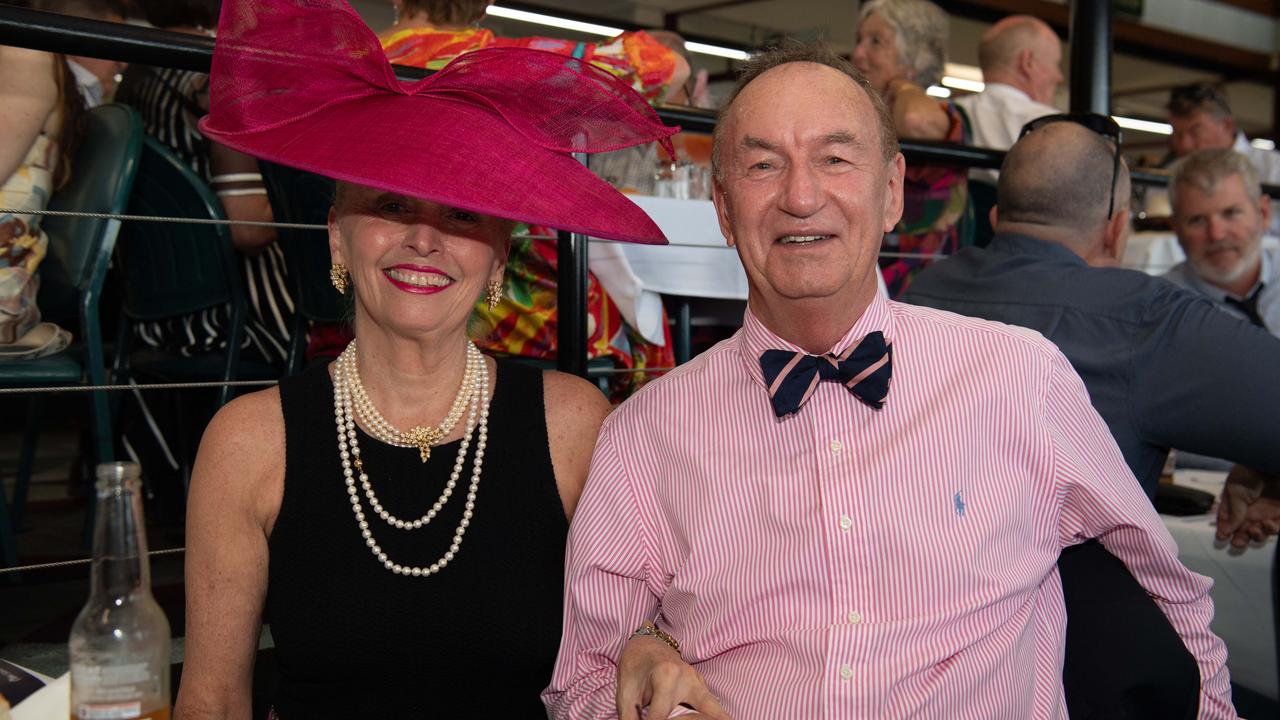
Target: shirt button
[(846, 672), (846, 522), (855, 617), (836, 446)]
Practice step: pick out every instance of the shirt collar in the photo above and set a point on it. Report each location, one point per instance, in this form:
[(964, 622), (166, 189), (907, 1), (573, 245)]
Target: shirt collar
[(997, 88), (1027, 245), (88, 83), (755, 338)]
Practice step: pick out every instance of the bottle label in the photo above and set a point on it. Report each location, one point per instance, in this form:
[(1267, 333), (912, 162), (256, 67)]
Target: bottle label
[(113, 711)]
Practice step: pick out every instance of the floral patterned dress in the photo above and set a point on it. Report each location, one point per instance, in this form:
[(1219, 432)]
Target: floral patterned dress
[(23, 243), (935, 216)]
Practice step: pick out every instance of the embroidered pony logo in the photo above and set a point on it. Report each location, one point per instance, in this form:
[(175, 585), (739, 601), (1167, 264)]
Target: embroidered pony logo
[(959, 503)]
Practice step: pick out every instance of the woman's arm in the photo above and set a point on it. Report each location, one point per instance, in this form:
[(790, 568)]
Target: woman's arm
[(915, 114), (235, 494), (242, 200), (574, 409), (28, 94)]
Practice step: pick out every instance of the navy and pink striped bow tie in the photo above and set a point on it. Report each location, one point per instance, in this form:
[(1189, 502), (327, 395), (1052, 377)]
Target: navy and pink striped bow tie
[(864, 369)]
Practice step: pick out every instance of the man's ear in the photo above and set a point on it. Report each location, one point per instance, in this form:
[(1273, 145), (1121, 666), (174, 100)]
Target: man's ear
[(720, 199), (1264, 209), (1026, 59), (895, 170), (1116, 236), (993, 216)]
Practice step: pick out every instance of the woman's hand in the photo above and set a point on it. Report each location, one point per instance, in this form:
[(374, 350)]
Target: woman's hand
[(915, 114), (1249, 508), (651, 673)]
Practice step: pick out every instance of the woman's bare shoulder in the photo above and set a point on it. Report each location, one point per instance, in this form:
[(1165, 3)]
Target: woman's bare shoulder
[(573, 401)]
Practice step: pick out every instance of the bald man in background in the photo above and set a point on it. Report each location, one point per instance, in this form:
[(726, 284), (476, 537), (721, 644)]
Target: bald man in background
[(1164, 366), (1021, 60)]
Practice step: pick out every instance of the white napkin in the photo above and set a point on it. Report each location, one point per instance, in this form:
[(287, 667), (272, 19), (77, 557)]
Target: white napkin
[(49, 702)]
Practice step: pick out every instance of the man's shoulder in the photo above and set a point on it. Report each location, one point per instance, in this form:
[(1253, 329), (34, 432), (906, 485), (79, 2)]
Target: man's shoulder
[(928, 326), (705, 373)]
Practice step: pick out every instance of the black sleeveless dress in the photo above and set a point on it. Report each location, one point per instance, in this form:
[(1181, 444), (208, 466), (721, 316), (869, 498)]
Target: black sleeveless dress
[(477, 639)]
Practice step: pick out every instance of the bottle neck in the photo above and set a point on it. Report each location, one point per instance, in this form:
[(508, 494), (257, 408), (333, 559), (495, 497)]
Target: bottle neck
[(120, 566)]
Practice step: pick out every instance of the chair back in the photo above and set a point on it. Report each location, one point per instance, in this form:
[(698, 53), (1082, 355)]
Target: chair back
[(298, 196), (171, 269), (102, 176)]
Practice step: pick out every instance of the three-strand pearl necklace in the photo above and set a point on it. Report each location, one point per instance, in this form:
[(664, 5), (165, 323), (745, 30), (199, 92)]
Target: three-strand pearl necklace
[(474, 392)]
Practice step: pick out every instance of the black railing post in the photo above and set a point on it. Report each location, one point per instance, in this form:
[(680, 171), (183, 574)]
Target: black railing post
[(571, 301), (1090, 38)]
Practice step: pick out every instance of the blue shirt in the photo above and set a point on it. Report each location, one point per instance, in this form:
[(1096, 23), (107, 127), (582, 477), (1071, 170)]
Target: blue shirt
[(1164, 367)]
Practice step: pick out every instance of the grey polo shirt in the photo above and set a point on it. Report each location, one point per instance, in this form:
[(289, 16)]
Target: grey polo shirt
[(1164, 367)]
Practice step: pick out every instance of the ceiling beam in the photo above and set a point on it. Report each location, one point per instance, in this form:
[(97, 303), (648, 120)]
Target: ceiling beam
[(1133, 37), (1262, 7), (671, 20)]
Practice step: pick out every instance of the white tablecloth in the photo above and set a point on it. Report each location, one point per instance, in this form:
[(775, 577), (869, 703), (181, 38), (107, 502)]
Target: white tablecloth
[(698, 263), (1243, 615)]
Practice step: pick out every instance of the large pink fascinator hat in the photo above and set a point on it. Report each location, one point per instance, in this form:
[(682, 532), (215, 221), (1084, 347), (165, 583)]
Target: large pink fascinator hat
[(305, 83)]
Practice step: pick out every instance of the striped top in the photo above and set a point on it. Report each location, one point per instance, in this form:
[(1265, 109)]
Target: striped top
[(868, 563), (170, 102)]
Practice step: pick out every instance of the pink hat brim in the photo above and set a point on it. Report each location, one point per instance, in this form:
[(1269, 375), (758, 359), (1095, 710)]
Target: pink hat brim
[(378, 141)]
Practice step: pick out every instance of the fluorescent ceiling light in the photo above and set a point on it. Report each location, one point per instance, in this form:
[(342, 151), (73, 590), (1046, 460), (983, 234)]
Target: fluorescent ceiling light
[(724, 52), (938, 92), (963, 84), (1263, 144), (594, 29), (1148, 126), (540, 19)]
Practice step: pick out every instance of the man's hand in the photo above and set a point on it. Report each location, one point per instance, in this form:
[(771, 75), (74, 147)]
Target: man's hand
[(1249, 508), (651, 673)]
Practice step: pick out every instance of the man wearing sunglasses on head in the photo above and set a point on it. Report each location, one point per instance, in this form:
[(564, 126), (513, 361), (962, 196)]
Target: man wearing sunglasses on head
[(1164, 368)]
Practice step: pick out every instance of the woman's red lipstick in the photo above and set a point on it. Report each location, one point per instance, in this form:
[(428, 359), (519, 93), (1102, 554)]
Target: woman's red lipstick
[(419, 270)]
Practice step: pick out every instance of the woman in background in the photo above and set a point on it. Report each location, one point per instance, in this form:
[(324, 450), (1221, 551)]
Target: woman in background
[(41, 121), (901, 49)]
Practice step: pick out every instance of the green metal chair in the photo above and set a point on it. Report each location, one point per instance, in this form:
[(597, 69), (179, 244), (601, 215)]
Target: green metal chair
[(72, 276), (170, 270), (298, 196)]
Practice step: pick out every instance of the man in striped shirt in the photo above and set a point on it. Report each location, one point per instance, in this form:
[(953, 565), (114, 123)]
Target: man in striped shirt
[(863, 548)]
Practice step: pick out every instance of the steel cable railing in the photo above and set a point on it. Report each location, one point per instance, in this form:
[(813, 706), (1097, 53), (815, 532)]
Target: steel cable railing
[(128, 43)]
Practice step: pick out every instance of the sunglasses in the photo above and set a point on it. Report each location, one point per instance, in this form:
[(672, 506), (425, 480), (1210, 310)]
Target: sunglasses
[(1101, 124)]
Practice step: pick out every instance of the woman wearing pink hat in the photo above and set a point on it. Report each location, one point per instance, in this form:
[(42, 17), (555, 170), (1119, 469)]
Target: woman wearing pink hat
[(399, 517)]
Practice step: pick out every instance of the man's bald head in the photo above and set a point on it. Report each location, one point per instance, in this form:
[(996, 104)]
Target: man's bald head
[(1059, 178), (1024, 52)]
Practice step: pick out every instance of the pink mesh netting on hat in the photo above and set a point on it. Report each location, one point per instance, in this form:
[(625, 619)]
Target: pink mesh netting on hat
[(281, 61)]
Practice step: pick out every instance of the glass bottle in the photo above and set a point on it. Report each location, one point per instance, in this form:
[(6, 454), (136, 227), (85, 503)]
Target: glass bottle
[(120, 641)]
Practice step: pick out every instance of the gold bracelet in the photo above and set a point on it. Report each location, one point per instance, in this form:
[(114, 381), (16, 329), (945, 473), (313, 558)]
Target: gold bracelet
[(655, 632)]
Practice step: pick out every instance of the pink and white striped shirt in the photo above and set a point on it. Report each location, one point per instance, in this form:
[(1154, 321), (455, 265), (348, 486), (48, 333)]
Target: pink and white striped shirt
[(845, 562)]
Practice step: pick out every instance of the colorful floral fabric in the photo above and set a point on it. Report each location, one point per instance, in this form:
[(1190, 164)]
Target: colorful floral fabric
[(525, 322), (635, 57), (935, 210), (23, 243)]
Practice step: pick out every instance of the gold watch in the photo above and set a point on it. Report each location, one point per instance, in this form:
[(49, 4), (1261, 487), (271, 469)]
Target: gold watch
[(654, 631)]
